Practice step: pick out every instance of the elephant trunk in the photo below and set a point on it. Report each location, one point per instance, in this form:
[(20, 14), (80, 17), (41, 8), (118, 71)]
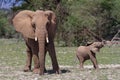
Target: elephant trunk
[(41, 41), (41, 56), (41, 35)]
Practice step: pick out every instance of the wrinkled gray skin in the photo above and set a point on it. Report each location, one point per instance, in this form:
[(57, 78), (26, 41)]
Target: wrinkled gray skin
[(38, 29), (89, 52)]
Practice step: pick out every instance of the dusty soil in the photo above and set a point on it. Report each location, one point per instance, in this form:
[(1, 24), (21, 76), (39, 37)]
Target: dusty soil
[(106, 72)]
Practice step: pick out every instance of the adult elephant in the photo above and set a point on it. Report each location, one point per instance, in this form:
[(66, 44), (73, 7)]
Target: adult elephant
[(38, 29)]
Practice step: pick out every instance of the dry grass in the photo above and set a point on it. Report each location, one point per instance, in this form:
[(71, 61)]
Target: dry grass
[(12, 61)]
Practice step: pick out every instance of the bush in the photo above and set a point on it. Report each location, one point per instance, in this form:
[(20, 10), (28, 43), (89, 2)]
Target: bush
[(6, 29), (101, 17)]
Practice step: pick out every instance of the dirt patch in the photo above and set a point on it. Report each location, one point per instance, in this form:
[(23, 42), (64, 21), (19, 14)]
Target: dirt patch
[(101, 66), (106, 72)]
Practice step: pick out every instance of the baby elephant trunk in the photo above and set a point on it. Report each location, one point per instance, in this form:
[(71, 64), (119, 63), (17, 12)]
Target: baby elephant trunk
[(96, 46)]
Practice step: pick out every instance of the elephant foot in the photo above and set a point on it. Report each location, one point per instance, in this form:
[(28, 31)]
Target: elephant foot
[(96, 67), (45, 70), (58, 71), (41, 73), (36, 71), (27, 69)]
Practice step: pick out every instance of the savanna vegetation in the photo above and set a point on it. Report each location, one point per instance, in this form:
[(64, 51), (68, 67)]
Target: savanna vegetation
[(73, 18), (12, 50), (13, 56)]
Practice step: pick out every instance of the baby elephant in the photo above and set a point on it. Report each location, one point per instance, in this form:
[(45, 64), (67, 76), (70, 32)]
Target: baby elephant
[(89, 52)]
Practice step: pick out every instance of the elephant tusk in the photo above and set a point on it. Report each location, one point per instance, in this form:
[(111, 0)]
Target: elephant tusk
[(35, 38), (47, 40)]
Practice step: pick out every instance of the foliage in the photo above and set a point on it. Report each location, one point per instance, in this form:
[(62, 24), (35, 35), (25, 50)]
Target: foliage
[(6, 30), (37, 4), (101, 17), (95, 15)]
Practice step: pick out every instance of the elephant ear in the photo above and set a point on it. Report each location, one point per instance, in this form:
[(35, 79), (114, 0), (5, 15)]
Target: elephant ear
[(51, 16), (23, 23), (94, 47), (52, 23)]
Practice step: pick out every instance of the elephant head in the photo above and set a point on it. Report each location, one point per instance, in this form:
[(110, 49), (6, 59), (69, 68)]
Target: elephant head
[(36, 25), (42, 20), (95, 46)]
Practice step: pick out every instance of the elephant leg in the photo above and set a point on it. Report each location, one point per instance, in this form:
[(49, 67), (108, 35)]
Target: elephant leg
[(35, 51), (94, 60), (52, 54), (46, 49), (29, 60), (44, 59), (95, 63), (81, 60)]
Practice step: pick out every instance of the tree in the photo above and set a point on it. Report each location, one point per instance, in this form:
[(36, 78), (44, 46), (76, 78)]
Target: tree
[(101, 17)]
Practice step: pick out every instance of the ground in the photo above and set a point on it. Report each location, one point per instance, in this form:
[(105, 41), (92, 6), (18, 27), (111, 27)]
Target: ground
[(68, 73), (12, 61)]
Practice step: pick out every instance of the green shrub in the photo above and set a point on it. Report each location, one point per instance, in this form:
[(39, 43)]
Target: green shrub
[(6, 29)]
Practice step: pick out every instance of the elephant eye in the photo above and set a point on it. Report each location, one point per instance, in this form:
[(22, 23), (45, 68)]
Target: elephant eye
[(33, 25)]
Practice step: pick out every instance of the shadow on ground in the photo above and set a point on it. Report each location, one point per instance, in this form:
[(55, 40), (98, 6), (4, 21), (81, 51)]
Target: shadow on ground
[(62, 71)]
